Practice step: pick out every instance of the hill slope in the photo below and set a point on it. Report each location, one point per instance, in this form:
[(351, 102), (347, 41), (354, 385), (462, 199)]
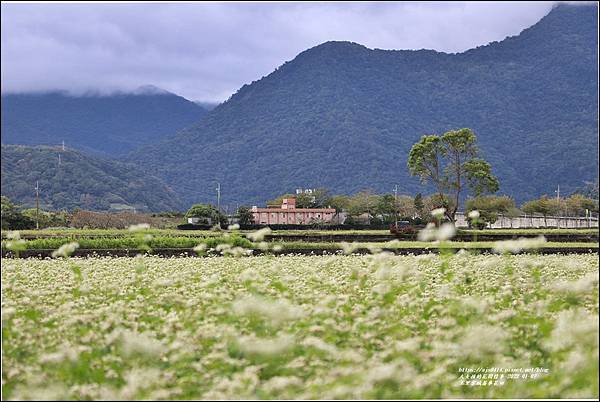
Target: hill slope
[(80, 181), (344, 116), (110, 125)]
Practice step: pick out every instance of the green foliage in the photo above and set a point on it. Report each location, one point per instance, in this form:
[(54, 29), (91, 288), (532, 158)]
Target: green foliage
[(207, 214), (245, 216), (110, 125), (450, 163), (13, 218), (48, 218), (80, 181), (489, 207)]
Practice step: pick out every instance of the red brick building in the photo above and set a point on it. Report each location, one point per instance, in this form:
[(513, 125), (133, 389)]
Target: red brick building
[(288, 214)]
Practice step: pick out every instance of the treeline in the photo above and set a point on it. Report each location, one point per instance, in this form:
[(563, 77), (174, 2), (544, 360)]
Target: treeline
[(367, 207), (362, 208), (15, 217)]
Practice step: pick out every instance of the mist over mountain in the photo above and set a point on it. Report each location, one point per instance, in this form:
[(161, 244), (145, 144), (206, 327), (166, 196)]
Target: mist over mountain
[(109, 124), (77, 180), (343, 116)]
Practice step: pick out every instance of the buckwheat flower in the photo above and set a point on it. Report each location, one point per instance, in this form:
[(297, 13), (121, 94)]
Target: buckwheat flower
[(263, 245), (348, 248), (318, 343), (582, 285), (474, 214), (277, 384), (253, 346), (259, 235), (438, 213), (65, 250), (445, 232), (16, 245), (13, 235), (222, 247), (482, 340), (139, 227), (140, 343), (8, 312), (574, 327), (428, 233), (273, 310), (200, 248), (237, 251), (515, 246), (233, 227)]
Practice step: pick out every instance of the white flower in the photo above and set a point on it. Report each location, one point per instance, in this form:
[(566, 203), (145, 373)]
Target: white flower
[(438, 213), (65, 250), (139, 227), (523, 243), (445, 232), (251, 345), (428, 233), (259, 235), (274, 310), (200, 248), (474, 214), (13, 235)]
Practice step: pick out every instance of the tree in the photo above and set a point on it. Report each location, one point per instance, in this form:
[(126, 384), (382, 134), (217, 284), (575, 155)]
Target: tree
[(489, 207), (245, 216), (48, 218), (207, 214), (418, 203), (450, 162), (362, 202), (544, 206), (577, 204), (13, 218)]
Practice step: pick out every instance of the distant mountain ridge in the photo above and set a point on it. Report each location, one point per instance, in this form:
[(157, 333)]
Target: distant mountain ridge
[(109, 125), (343, 116), (77, 180)]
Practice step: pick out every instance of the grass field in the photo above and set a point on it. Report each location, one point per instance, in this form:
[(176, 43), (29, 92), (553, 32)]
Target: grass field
[(205, 233), (376, 326), (134, 243)]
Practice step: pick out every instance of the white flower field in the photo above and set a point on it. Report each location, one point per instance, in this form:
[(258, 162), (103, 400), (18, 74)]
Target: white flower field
[(301, 327)]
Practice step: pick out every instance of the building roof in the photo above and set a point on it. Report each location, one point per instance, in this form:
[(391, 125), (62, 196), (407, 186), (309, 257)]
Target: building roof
[(332, 210)]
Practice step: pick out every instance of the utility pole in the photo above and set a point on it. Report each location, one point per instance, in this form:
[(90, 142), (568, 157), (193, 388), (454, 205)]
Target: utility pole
[(37, 205), (558, 193), (219, 196), (396, 204), (63, 145)]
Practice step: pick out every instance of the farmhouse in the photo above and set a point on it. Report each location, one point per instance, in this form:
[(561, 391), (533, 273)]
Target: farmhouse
[(288, 214)]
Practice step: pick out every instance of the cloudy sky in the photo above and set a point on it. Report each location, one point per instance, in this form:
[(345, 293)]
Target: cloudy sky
[(206, 51)]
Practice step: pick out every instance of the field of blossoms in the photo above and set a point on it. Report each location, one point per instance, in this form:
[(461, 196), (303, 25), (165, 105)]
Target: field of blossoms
[(309, 327)]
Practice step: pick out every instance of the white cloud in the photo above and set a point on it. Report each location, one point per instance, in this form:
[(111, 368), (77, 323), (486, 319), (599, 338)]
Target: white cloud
[(206, 51)]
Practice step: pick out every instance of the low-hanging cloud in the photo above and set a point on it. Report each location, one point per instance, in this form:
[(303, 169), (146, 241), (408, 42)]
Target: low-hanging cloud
[(206, 51)]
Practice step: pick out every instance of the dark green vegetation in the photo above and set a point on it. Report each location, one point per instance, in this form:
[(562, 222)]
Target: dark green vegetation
[(450, 163), (343, 116), (80, 181), (112, 125), (207, 214)]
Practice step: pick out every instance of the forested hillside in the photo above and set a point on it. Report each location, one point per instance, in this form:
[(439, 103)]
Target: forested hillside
[(80, 181), (111, 125), (343, 116)]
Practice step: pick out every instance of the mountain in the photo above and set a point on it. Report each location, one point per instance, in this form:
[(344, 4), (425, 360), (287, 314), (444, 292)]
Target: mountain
[(104, 124), (343, 116), (79, 181)]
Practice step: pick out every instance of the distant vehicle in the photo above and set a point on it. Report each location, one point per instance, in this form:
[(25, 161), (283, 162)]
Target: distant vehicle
[(404, 227)]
